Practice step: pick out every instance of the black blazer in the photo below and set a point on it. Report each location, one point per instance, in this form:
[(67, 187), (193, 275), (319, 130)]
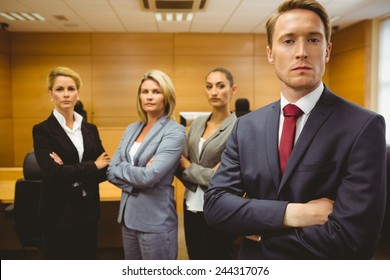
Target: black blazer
[(63, 203)]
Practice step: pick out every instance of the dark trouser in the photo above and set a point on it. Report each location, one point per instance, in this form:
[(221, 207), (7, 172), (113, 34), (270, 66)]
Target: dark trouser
[(72, 243), (204, 242)]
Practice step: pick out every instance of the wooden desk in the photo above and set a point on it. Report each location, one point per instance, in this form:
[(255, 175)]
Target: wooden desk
[(108, 192)]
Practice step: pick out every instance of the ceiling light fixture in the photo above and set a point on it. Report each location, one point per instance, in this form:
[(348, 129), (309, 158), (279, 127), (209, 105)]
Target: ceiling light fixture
[(170, 17), (179, 17), (22, 16), (334, 18), (18, 17)]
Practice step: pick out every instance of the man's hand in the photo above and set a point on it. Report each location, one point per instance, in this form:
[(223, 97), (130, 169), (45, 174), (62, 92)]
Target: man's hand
[(314, 212)]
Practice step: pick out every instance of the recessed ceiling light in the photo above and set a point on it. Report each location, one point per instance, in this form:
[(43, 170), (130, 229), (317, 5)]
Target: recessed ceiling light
[(174, 16)]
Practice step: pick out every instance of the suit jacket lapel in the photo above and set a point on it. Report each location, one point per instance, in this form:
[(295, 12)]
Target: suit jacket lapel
[(87, 142), (149, 137), (129, 138), (318, 116), (62, 138), (272, 149), (216, 133)]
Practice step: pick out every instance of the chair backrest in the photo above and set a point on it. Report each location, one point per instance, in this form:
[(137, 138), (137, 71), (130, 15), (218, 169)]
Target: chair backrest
[(26, 204), (242, 106), (31, 170)]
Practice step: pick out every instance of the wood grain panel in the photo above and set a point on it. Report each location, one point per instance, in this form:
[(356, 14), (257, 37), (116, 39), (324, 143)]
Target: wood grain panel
[(132, 44), (23, 141), (29, 74), (190, 73), (50, 43), (111, 137), (266, 84), (6, 142), (114, 121), (5, 87), (261, 44), (347, 75), (353, 37), (4, 42), (214, 44)]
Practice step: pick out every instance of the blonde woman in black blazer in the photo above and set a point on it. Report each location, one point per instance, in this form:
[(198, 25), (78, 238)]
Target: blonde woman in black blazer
[(204, 146), (73, 162)]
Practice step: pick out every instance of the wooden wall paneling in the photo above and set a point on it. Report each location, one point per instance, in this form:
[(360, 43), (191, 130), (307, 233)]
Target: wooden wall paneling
[(111, 137), (6, 142), (25, 43), (132, 44), (115, 84), (29, 81), (4, 42), (353, 37), (260, 47), (23, 141), (347, 75), (213, 44), (5, 86), (266, 84), (179, 195), (190, 73), (349, 72), (6, 131)]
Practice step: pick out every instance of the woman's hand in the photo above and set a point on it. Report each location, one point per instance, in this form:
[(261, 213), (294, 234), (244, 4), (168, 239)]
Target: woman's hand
[(149, 163), (216, 166), (184, 162), (102, 161), (56, 158)]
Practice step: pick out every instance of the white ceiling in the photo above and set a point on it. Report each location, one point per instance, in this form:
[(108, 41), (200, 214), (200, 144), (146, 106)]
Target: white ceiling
[(218, 16)]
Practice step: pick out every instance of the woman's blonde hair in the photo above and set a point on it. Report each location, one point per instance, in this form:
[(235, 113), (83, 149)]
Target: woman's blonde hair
[(167, 89), (63, 71)]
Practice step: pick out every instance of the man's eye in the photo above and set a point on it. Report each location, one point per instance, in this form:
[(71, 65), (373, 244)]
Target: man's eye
[(288, 42), (314, 40)]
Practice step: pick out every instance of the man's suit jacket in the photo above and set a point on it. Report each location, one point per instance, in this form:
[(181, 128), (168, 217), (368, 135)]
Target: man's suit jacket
[(340, 154), (63, 203), (200, 171), (147, 202)]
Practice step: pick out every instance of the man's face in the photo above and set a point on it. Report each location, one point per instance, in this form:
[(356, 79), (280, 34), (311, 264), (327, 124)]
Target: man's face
[(299, 51)]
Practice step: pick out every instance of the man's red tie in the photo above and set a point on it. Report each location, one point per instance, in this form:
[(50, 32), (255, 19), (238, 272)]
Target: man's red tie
[(291, 114)]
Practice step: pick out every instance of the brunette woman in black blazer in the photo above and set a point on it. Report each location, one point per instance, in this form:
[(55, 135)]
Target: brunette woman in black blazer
[(73, 162)]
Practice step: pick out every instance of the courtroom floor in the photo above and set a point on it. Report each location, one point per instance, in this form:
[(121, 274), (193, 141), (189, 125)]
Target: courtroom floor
[(103, 253), (383, 251)]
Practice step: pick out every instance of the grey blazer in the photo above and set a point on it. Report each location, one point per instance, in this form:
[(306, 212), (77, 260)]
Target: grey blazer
[(200, 171), (147, 202)]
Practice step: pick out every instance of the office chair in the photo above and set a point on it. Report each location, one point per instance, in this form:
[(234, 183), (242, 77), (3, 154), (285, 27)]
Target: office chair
[(26, 204), (242, 107)]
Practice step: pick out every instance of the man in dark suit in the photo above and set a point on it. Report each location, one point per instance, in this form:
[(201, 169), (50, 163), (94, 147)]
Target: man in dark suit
[(328, 200)]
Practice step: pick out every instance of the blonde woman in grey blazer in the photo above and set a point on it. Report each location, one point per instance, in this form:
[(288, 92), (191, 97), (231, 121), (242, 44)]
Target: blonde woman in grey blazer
[(143, 166), (204, 146)]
